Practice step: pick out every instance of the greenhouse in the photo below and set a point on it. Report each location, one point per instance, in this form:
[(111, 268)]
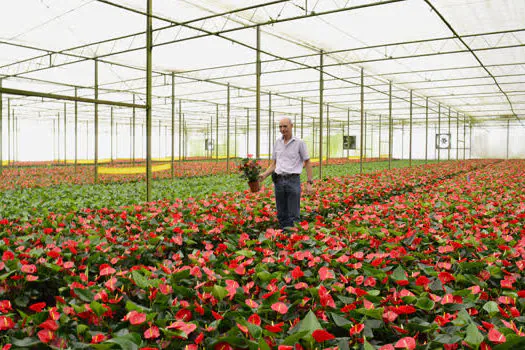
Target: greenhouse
[(126, 223)]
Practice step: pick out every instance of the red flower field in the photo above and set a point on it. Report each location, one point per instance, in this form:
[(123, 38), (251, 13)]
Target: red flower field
[(430, 257)]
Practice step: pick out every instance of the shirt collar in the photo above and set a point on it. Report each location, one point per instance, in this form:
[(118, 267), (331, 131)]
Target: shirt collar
[(292, 139)]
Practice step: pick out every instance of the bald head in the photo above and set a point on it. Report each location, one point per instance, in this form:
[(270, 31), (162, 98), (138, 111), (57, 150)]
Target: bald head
[(285, 127)]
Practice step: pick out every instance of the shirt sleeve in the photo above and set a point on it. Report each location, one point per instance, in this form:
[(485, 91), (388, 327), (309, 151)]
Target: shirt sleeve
[(303, 151)]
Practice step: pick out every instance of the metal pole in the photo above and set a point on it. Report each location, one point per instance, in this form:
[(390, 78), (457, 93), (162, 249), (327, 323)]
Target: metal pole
[(54, 141), (321, 102), (439, 133), (149, 52), (470, 140), (180, 132), (269, 125), (362, 121), (313, 137), (111, 131), (410, 133), (96, 121), (216, 132), (457, 135), (1, 131), (347, 131), (228, 130), (449, 134), (508, 137), (426, 130), (58, 137), (76, 131), (464, 135), (327, 133), (9, 133), (172, 125), (258, 96), (302, 117), (160, 141), (235, 139), (390, 125), (65, 134), (247, 131), (379, 139), (133, 132)]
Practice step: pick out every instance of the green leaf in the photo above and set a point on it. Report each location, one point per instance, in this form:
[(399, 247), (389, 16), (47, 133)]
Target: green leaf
[(368, 346), (462, 319), (254, 330), (309, 323), (491, 307), (294, 338), (425, 304), (129, 341), (513, 342), (399, 274), (245, 252), (97, 308), (84, 294), (219, 292), (374, 313), (263, 345), (340, 321), (140, 280), (26, 342), (474, 336)]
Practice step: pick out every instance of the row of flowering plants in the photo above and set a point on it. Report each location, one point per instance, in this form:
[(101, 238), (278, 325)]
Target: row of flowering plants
[(425, 258), (42, 174)]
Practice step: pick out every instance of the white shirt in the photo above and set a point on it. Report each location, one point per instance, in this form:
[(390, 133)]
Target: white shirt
[(289, 158)]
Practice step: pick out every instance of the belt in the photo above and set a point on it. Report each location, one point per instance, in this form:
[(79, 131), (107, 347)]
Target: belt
[(285, 176)]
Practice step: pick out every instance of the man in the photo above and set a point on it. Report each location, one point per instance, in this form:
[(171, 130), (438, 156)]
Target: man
[(289, 156)]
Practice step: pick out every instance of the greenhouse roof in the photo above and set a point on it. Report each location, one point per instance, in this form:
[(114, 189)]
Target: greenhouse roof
[(460, 58)]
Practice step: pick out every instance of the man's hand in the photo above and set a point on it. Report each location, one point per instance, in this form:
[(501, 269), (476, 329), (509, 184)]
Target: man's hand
[(308, 188)]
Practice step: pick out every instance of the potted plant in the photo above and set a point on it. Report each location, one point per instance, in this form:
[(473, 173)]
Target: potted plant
[(250, 169)]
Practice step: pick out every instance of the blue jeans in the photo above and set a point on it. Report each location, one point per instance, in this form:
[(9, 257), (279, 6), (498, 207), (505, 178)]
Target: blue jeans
[(288, 200)]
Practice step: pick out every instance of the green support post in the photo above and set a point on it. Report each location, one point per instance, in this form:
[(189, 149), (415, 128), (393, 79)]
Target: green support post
[(172, 125), (362, 122), (96, 121), (76, 131), (321, 106), (410, 133), (228, 131), (149, 89)]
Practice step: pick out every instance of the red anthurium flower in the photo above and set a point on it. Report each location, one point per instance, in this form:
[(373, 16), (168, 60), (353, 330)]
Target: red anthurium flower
[(325, 273), (387, 347), (7, 347), (183, 315), (275, 328), (46, 335), (422, 281), (6, 323), (28, 268), (222, 346), (280, 308), (49, 325), (37, 307), (8, 255), (285, 347), (506, 300), (135, 318), (406, 343), (325, 298), (320, 335), (495, 336), (152, 332), (251, 303), (5, 306), (231, 287), (216, 315), (356, 329), (255, 319), (243, 328), (446, 277), (297, 273), (106, 270), (98, 338), (187, 328)]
